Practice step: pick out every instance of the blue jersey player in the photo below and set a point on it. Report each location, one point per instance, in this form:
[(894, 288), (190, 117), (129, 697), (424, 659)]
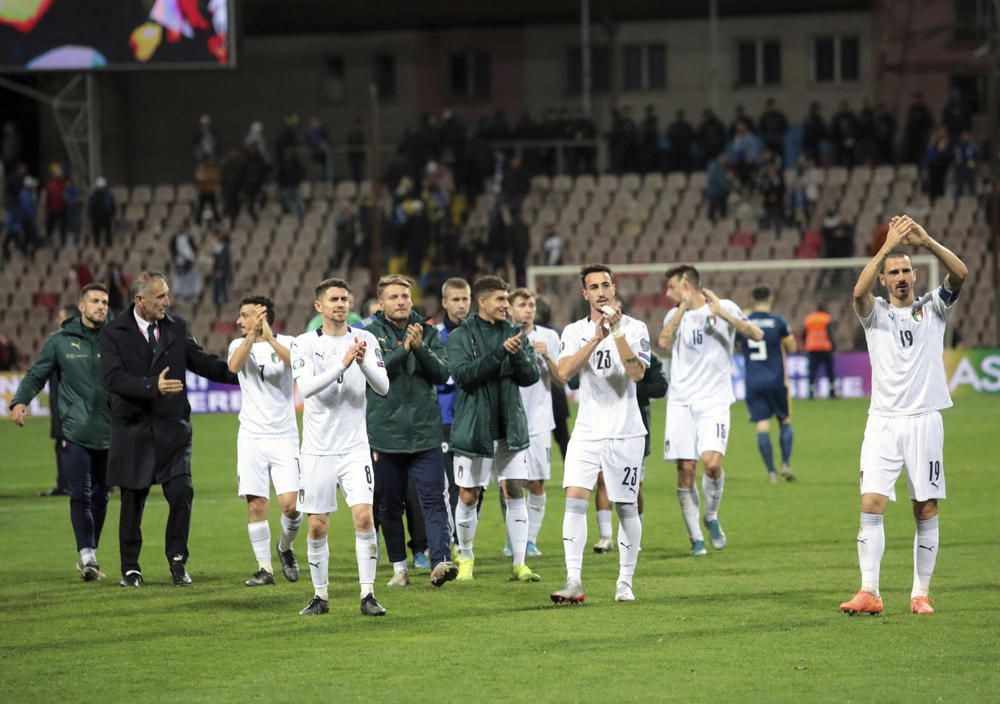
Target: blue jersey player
[(766, 382)]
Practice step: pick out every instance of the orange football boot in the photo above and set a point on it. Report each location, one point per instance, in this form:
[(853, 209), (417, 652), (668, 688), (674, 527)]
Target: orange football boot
[(863, 603), (921, 605)]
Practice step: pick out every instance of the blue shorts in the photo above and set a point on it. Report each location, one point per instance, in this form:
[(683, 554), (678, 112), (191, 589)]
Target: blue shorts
[(767, 402)]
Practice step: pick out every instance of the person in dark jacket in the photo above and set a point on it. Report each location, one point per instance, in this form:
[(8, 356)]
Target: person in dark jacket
[(101, 207), (144, 352), (490, 362), (404, 429), (55, 430), (84, 420)]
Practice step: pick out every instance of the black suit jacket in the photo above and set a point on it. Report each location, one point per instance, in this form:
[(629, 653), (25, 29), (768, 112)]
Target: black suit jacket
[(150, 433)]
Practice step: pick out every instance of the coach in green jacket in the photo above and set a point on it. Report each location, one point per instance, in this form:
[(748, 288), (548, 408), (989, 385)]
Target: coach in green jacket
[(84, 416), (489, 434), (404, 429)]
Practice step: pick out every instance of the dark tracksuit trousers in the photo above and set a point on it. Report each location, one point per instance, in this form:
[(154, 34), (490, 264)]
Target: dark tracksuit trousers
[(86, 472), (392, 474)]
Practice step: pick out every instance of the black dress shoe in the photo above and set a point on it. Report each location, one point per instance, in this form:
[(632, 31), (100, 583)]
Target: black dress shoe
[(289, 565), (179, 574), (131, 579), (371, 607)]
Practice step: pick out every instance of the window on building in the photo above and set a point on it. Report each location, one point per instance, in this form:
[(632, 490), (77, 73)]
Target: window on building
[(333, 84), (836, 59), (973, 19), (470, 74), (758, 62), (385, 75), (600, 70), (644, 67)]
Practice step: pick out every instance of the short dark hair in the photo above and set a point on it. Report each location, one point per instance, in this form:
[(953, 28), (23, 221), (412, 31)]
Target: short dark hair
[(893, 254), (588, 269), (488, 284), (93, 287), (685, 270), (331, 283), (260, 301), (760, 293), (140, 285)]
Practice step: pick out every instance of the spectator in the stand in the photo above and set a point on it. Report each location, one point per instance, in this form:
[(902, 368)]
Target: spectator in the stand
[(410, 226), (630, 142), (516, 185), (519, 240), (73, 197), (885, 134), (552, 246), (966, 159), (232, 173), (9, 359), (356, 151), (773, 190), (680, 134), (187, 283), (773, 127), (740, 116), (497, 244), (101, 208), (345, 246), (290, 172), (255, 172), (207, 177), (582, 159), (806, 192), (318, 142), (937, 159), (55, 204), (813, 133), (844, 135), (528, 129), (717, 188), (616, 142), (10, 148), (118, 289), (956, 116), (255, 138), (206, 142), (879, 233), (838, 243), (866, 135), (452, 138), (650, 155), (222, 270), (917, 130), (744, 154), (82, 270), (27, 209), (13, 233), (711, 136)]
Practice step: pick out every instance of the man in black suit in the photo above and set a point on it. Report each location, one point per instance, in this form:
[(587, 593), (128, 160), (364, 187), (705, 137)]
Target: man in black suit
[(144, 352)]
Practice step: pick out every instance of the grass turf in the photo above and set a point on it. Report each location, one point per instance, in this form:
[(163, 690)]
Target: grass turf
[(758, 621)]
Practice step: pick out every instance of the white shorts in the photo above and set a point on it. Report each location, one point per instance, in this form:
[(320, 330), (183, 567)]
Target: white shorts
[(916, 442), (258, 458), (540, 457), (472, 472), (322, 473), (695, 429), (620, 459)]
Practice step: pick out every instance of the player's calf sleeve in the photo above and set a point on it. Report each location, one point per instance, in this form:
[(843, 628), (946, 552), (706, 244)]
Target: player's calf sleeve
[(318, 553), (871, 545), (604, 523), (690, 510), (574, 536), (787, 435), (925, 550), (713, 494), (466, 520), (366, 551), (517, 528), (260, 540), (766, 452), (536, 514), (629, 540), (289, 529)]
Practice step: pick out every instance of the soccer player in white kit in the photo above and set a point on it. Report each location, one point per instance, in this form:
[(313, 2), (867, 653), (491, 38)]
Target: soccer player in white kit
[(332, 366), (537, 400), (610, 352), (905, 337), (700, 332), (268, 441)]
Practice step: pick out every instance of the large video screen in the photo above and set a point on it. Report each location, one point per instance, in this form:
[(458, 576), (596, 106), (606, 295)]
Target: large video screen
[(98, 35)]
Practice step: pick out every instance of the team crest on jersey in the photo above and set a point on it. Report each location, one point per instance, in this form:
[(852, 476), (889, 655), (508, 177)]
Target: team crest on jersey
[(378, 356), (298, 363), (710, 322), (918, 314), (274, 357), (644, 345)]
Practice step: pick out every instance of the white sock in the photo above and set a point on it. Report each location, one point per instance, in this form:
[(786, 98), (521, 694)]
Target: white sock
[(604, 523), (260, 539), (318, 553), (398, 567), (871, 545), (517, 528), (447, 509), (366, 550), (713, 494), (574, 537), (690, 508), (289, 529), (629, 540), (925, 550), (536, 514), (465, 525), (87, 555)]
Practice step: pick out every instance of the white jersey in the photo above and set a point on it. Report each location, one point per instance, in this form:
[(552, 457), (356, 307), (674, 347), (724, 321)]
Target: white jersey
[(537, 398), (906, 347), (333, 419), (701, 356), (608, 407), (267, 409)]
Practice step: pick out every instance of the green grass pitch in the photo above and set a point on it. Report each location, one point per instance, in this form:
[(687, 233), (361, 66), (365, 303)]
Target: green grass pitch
[(756, 622)]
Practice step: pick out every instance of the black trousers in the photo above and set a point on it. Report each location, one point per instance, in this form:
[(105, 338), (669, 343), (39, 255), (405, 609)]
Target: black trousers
[(395, 472), (817, 360), (179, 493)]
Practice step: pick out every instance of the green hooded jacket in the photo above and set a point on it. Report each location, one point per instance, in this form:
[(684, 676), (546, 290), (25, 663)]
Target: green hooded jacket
[(84, 412)]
